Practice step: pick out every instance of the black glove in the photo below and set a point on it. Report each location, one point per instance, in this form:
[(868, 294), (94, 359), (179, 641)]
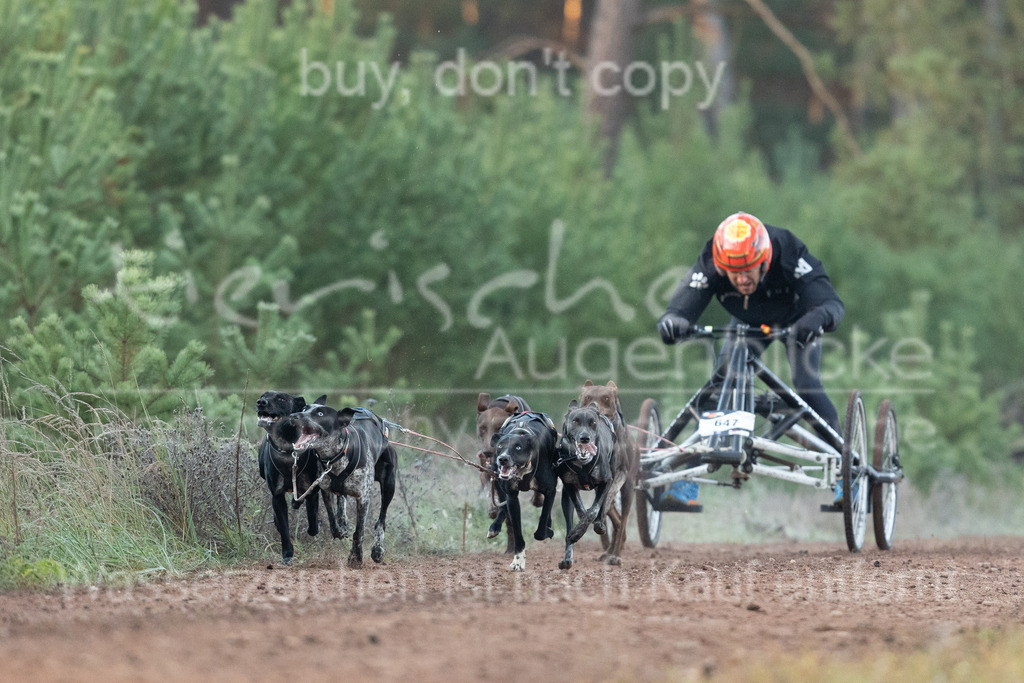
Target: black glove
[(808, 328), (673, 328)]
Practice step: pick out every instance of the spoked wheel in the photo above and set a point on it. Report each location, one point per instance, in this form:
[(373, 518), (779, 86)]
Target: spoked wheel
[(854, 474), (886, 459), (648, 520)]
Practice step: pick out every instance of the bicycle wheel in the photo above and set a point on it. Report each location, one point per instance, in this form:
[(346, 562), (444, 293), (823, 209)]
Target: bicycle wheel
[(648, 520), (885, 458), (854, 475)]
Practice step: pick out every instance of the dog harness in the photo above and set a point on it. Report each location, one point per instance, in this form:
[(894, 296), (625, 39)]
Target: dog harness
[(268, 447), (350, 466), (521, 404), (518, 420)]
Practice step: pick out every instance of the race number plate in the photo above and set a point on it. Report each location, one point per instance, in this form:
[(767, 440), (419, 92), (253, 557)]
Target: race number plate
[(736, 422)]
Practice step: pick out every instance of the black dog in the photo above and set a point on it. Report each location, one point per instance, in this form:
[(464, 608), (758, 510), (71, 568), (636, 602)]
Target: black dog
[(276, 460), (491, 414), (524, 452), (352, 448), (585, 461)]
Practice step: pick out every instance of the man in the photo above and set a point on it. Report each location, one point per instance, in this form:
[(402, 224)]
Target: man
[(762, 275)]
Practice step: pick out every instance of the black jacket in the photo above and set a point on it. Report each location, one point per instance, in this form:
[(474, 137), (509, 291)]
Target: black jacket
[(795, 284)]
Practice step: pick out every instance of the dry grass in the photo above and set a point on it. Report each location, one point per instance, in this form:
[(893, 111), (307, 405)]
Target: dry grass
[(89, 495)]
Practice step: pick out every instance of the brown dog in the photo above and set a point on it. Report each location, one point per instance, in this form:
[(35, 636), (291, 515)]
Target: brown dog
[(627, 462), (491, 414)]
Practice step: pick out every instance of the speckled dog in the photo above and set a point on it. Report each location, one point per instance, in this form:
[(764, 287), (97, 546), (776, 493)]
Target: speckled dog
[(352, 447)]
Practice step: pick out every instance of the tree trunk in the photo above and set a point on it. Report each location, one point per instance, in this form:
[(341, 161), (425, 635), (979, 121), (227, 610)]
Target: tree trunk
[(991, 152), (208, 8), (611, 43), (709, 27)]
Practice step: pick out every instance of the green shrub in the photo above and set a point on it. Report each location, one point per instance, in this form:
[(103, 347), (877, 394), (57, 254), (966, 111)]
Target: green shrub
[(18, 572)]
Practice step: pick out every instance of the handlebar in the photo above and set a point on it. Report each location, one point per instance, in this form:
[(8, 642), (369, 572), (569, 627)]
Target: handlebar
[(718, 332)]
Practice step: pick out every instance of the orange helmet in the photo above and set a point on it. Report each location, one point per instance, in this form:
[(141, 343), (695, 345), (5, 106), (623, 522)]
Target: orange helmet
[(741, 242)]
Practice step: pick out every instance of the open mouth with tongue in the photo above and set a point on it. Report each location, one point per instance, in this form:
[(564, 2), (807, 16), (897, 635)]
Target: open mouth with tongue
[(307, 439), (585, 452), (507, 470), (266, 420)]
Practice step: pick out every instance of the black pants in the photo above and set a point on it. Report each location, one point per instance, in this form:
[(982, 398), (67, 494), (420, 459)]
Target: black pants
[(804, 367)]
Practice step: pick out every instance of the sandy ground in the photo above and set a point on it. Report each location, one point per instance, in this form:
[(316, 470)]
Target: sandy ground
[(675, 612)]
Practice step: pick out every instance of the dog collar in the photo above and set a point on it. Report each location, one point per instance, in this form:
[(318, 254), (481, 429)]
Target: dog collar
[(275, 451)]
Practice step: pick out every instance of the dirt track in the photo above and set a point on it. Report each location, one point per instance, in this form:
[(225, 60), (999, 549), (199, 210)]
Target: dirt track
[(680, 611)]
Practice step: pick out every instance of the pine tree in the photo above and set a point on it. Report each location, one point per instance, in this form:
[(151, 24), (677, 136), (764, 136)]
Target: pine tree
[(113, 354)]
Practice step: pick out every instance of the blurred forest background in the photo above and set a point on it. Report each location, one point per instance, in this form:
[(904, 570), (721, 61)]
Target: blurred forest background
[(197, 204)]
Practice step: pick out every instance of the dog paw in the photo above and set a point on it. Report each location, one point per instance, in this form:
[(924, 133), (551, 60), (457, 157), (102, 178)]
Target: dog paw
[(492, 512), (538, 499), (296, 504), (565, 564), (377, 554), (355, 562), (544, 535), (518, 562), (493, 531), (599, 528), (613, 560), (286, 560)]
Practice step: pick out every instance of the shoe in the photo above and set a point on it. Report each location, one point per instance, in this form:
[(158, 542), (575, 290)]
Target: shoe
[(839, 492), (682, 491)]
